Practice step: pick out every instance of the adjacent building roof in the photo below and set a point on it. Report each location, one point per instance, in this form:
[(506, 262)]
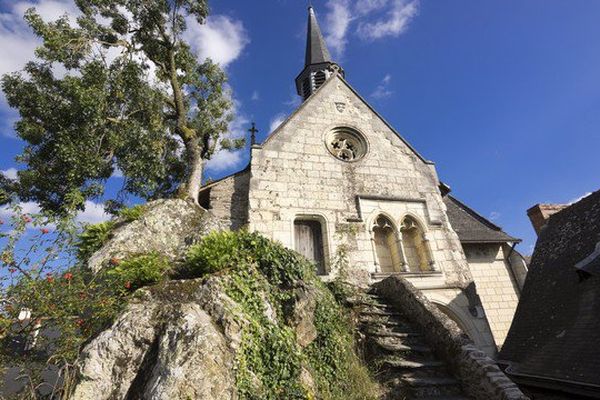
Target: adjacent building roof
[(472, 227), (555, 335), (316, 49)]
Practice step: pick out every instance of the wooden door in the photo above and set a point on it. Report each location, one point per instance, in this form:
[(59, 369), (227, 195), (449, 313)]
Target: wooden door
[(309, 242)]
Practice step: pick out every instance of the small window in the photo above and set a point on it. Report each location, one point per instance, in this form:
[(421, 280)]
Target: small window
[(346, 144)]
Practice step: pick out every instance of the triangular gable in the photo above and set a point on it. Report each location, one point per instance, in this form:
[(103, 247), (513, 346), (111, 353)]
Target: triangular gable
[(362, 99)]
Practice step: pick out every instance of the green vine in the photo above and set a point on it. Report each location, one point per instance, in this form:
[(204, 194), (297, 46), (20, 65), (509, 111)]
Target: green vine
[(263, 278)]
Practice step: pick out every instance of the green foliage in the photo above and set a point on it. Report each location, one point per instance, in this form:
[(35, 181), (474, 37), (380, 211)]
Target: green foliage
[(339, 372), (138, 271), (131, 214), (269, 360), (93, 238), (74, 304), (130, 112), (258, 272), (219, 250)]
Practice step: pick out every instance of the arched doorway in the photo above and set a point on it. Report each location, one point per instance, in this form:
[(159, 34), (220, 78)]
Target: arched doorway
[(386, 245)]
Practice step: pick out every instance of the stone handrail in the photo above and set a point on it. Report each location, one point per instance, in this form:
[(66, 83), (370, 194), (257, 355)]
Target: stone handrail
[(479, 375)]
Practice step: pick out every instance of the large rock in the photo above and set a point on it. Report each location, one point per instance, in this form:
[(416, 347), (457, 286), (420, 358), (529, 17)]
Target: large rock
[(176, 341), (166, 226)]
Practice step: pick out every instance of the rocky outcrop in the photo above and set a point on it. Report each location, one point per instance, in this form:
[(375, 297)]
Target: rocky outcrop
[(179, 340), (167, 227), (175, 341)]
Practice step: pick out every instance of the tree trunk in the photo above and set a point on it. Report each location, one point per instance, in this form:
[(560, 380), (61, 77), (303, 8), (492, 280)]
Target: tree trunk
[(193, 180)]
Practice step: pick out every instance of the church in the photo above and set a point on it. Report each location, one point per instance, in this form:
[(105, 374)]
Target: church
[(340, 185)]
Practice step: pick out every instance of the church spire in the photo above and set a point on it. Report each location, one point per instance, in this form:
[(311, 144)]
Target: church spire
[(318, 66), (316, 49)]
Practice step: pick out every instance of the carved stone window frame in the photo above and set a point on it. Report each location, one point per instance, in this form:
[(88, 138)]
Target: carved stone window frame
[(346, 144)]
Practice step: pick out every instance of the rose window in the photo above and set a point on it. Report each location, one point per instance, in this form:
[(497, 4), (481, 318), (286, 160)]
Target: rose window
[(346, 144)]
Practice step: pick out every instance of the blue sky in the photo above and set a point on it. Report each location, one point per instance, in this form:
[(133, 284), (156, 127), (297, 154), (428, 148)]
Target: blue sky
[(504, 96)]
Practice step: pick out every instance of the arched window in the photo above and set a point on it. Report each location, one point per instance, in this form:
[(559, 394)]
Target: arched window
[(386, 245), (416, 251)]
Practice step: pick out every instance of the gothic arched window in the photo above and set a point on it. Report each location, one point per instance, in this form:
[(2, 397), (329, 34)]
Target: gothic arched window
[(416, 251), (386, 245)]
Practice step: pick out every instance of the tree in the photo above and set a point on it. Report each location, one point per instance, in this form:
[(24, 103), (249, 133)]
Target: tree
[(133, 98)]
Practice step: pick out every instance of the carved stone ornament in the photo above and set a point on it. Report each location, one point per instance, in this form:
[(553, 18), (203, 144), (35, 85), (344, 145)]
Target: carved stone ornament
[(340, 106)]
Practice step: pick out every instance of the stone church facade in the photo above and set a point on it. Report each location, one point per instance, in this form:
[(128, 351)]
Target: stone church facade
[(336, 180)]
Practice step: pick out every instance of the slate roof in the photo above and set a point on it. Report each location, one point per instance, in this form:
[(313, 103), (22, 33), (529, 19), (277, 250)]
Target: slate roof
[(316, 49), (555, 334), (472, 227)]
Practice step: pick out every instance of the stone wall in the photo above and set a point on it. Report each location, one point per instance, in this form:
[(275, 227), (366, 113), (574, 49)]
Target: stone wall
[(480, 376), (496, 286), (293, 174), (228, 199)]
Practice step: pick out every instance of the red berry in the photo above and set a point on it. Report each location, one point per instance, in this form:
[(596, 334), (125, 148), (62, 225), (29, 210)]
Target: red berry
[(44, 231), (68, 276), (127, 285)]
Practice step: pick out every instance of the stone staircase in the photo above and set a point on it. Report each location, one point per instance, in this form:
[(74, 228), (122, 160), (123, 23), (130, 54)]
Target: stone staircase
[(403, 363)]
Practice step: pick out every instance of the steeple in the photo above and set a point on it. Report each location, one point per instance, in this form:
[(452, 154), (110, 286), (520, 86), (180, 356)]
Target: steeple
[(318, 66), (316, 49)]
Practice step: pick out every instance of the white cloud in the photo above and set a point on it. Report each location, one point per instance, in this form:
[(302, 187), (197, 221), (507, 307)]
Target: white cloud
[(28, 207), (366, 6), (221, 38), (276, 121), (255, 96), (394, 23), (375, 19), (93, 213), (382, 90), (494, 215), (338, 20), (223, 160), (10, 173), (17, 41)]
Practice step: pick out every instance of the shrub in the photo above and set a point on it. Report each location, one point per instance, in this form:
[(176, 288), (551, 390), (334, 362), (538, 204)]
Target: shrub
[(132, 213), (138, 271), (220, 250), (93, 238)]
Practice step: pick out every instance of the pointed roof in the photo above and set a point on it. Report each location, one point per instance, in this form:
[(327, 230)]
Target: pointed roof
[(316, 49)]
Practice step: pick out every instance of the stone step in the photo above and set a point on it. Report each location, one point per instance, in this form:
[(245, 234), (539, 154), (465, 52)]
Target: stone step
[(388, 325), (407, 364), (432, 386), (401, 347), (391, 333), (442, 397), (429, 381), (378, 312)]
